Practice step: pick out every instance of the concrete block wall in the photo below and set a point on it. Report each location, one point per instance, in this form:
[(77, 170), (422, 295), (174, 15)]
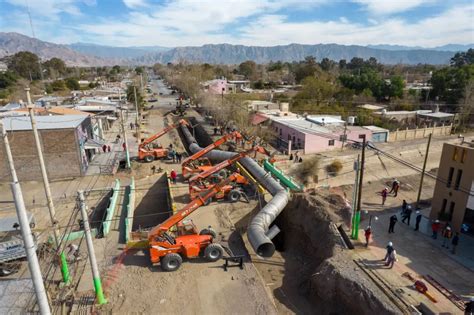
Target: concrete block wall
[(60, 154), (418, 133)]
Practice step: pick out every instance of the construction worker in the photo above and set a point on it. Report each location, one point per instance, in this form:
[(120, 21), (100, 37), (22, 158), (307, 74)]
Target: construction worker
[(389, 248), (469, 307), (173, 176), (455, 242), (367, 234), (435, 228), (395, 187), (417, 220), (392, 258), (447, 235), (393, 220), (407, 215), (384, 194)]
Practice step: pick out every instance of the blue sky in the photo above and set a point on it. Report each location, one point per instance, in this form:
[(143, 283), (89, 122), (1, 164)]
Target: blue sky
[(425, 23)]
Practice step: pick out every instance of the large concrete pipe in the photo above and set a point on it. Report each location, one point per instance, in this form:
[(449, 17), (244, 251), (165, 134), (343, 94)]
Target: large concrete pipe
[(258, 229)]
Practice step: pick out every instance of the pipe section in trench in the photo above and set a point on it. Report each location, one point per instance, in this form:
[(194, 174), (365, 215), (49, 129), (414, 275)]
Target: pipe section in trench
[(258, 230)]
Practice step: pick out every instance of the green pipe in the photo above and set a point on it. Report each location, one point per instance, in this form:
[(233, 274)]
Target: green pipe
[(285, 180), (98, 291), (64, 268)]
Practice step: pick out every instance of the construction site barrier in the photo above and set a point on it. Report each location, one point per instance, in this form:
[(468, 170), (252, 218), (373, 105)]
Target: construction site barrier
[(110, 211), (171, 204), (419, 133), (130, 209), (285, 180)]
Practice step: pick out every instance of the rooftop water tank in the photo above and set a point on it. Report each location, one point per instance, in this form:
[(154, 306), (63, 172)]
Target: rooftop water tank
[(351, 120)]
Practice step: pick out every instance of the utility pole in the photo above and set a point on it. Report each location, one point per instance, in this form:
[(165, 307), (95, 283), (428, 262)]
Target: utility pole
[(90, 248), (29, 244), (344, 136), (124, 134), (354, 195), (359, 192), (47, 189), (423, 172), (138, 115)]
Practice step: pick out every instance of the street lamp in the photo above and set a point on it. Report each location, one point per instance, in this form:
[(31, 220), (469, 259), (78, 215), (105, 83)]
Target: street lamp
[(370, 217)]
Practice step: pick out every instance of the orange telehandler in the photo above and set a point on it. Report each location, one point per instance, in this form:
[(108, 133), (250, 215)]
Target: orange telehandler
[(148, 153), (216, 173), (196, 163), (169, 250)]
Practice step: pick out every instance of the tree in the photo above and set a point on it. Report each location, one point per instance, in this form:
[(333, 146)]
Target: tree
[(25, 64), (72, 84), (139, 70), (248, 69), (326, 64), (58, 85), (7, 79), (314, 90), (55, 67), (463, 58), (448, 84), (131, 95), (342, 64)]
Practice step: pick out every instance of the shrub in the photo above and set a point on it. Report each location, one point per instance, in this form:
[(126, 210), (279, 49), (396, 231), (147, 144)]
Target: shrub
[(334, 168)]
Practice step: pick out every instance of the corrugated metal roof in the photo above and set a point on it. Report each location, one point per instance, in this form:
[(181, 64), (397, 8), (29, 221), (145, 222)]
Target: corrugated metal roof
[(43, 122)]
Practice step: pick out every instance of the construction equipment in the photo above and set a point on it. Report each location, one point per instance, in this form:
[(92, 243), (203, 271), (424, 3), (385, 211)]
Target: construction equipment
[(169, 250), (216, 173), (148, 153), (196, 163)]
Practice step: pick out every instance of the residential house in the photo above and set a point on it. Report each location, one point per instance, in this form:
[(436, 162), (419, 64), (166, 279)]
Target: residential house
[(68, 146), (453, 197)]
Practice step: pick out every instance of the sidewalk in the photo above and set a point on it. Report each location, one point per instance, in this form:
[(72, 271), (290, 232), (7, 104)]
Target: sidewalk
[(419, 255)]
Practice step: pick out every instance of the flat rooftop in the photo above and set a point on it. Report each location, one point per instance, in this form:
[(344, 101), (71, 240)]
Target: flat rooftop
[(43, 122)]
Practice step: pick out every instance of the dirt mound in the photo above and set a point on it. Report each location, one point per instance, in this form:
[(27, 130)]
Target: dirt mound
[(327, 277)]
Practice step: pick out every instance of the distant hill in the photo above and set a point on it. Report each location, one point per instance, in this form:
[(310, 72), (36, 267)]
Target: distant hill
[(115, 52), (11, 43), (449, 47), (82, 54), (234, 54)]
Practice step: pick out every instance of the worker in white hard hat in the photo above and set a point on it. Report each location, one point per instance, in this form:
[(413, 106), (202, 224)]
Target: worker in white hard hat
[(418, 220), (435, 226), (389, 248)]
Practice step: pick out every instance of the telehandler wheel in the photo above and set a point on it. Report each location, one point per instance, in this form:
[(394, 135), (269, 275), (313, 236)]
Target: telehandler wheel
[(171, 262), (208, 231), (213, 252), (234, 195), (149, 158)]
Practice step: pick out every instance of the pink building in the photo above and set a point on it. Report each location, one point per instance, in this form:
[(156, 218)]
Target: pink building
[(311, 137), (216, 86)]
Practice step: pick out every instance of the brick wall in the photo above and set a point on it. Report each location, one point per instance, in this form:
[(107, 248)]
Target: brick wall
[(60, 154)]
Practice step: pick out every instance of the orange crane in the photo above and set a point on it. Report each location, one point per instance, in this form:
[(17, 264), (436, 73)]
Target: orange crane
[(197, 184), (169, 250), (196, 163), (148, 153)]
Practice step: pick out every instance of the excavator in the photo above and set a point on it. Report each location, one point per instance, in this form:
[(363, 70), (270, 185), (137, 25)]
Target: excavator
[(169, 250), (148, 153), (216, 173), (196, 163)]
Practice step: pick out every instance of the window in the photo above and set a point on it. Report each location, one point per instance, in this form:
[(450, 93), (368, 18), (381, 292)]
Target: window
[(450, 177), (342, 137), (464, 155), (451, 210), (455, 154), (458, 179), (281, 131), (443, 207), (331, 142)]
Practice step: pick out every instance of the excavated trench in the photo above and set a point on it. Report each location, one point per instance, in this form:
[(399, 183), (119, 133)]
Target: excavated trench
[(319, 274), (319, 271)]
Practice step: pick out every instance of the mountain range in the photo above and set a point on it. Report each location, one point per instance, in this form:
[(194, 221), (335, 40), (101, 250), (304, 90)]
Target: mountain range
[(85, 54)]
